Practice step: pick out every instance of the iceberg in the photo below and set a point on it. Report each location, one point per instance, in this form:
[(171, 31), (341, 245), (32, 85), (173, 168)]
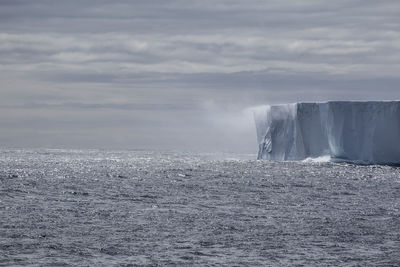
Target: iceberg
[(350, 131)]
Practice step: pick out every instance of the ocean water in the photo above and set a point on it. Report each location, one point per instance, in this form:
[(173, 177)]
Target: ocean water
[(147, 208)]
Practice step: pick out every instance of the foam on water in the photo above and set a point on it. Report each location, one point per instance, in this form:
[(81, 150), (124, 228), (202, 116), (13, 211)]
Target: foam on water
[(325, 158)]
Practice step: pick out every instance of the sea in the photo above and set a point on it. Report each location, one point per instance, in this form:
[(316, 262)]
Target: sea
[(169, 208)]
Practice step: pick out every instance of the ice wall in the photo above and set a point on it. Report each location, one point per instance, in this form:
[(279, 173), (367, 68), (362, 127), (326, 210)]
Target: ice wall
[(359, 132)]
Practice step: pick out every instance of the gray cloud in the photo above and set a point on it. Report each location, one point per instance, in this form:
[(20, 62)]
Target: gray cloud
[(165, 61)]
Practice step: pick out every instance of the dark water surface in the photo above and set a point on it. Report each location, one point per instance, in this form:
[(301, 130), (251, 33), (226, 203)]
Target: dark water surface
[(63, 207)]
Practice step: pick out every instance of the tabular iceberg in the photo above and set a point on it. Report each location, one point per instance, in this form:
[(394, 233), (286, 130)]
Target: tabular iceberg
[(351, 131)]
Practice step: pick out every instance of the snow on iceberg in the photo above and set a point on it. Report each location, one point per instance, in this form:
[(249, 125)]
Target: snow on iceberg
[(351, 131)]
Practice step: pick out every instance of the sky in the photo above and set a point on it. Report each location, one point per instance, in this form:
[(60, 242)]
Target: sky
[(182, 74)]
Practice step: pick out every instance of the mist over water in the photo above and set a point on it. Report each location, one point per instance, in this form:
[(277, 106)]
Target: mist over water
[(146, 208), (231, 128)]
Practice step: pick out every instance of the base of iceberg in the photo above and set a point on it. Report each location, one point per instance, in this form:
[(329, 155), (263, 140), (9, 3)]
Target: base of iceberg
[(349, 131)]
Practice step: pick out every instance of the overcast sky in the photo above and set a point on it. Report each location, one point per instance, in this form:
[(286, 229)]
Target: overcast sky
[(179, 74)]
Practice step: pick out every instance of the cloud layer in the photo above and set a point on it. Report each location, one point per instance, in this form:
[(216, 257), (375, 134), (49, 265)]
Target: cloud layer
[(105, 65)]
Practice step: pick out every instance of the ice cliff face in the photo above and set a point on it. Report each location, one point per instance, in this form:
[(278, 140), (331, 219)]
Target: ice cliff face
[(359, 132)]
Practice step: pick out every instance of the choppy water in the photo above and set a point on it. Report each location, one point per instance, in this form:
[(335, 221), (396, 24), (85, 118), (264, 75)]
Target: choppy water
[(96, 208)]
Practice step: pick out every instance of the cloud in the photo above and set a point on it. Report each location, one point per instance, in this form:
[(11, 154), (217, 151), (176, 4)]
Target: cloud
[(115, 106), (218, 53), (168, 58)]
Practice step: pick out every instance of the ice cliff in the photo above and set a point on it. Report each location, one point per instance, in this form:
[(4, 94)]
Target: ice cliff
[(359, 132)]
